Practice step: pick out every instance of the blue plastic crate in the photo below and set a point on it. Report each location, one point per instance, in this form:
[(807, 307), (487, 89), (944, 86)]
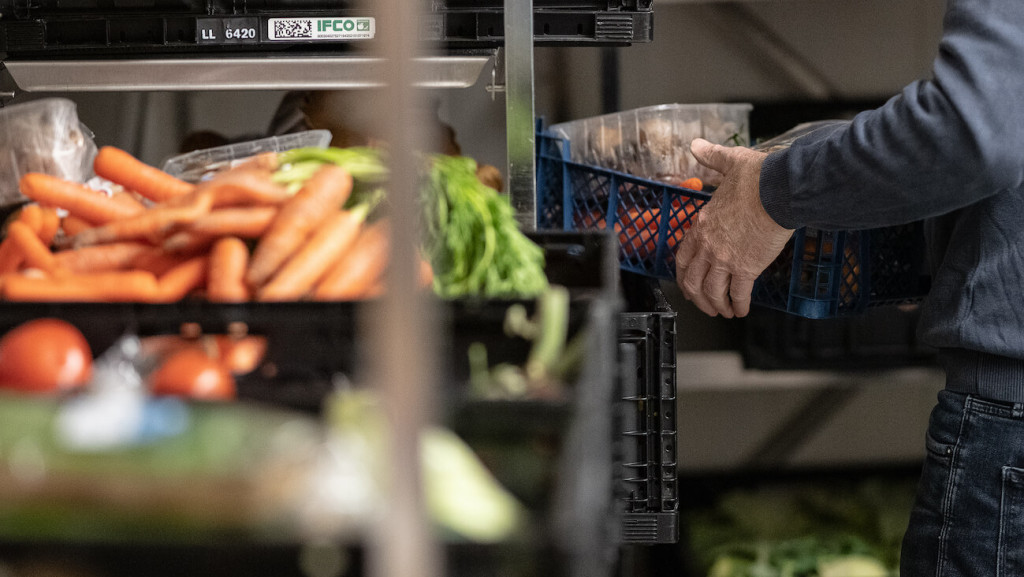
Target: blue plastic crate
[(819, 274)]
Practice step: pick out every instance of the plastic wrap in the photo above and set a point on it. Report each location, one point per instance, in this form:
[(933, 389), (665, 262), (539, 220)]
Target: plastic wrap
[(202, 164), (654, 142), (42, 136), (786, 139)]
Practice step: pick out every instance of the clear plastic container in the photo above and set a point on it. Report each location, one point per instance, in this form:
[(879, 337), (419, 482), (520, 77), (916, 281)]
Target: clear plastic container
[(201, 164), (654, 142), (45, 136)]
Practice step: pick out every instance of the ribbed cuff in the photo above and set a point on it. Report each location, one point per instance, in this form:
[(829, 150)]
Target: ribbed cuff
[(775, 194), (989, 376)]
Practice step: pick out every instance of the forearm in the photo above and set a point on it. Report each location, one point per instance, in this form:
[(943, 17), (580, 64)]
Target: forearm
[(939, 145)]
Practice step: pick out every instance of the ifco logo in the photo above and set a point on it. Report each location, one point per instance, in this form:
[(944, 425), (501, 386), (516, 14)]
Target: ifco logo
[(341, 25)]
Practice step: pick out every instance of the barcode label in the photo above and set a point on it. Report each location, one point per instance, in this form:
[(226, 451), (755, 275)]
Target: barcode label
[(320, 29)]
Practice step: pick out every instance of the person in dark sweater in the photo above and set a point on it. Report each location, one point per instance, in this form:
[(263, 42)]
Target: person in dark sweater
[(948, 150)]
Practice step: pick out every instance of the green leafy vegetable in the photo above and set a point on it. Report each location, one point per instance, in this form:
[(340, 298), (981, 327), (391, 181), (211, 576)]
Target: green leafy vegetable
[(472, 239)]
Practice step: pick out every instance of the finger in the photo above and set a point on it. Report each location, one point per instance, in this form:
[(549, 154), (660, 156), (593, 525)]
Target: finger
[(685, 253), (713, 156), (693, 286), (740, 292), (716, 291)]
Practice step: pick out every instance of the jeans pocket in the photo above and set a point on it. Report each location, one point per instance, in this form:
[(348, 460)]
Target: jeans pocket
[(942, 452), (1011, 524)]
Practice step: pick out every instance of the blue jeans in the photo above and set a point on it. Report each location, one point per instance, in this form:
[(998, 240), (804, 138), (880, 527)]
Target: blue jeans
[(968, 520)]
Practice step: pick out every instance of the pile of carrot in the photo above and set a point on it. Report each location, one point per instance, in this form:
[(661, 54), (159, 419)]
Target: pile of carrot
[(237, 237)]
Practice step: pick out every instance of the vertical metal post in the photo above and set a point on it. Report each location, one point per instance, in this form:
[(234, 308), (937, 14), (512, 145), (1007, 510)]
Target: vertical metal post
[(519, 112), (402, 363)]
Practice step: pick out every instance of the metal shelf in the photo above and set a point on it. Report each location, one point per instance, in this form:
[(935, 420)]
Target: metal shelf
[(240, 73)]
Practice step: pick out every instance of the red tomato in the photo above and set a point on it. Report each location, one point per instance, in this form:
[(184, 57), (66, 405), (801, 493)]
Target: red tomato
[(241, 355), (192, 373), (44, 355)]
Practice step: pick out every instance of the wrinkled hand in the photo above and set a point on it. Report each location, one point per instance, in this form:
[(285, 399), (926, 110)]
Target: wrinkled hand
[(732, 239)]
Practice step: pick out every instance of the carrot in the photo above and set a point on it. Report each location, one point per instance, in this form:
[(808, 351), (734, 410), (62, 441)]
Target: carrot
[(355, 273), (150, 225), (78, 199), (318, 198), (72, 225), (128, 199), (32, 216), (426, 276), (100, 258), (10, 257), (187, 242), (330, 241), (245, 222), (176, 283), (245, 186), (50, 225), (693, 183), (122, 168), (157, 261), (229, 260), (27, 242), (124, 286)]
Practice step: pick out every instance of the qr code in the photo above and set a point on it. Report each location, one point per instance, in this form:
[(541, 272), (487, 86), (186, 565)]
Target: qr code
[(293, 29)]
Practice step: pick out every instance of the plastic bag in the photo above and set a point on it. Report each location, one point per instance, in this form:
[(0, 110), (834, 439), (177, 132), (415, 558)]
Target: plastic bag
[(786, 139), (42, 136)]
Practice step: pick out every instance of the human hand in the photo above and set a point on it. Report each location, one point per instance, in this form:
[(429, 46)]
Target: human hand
[(732, 239)]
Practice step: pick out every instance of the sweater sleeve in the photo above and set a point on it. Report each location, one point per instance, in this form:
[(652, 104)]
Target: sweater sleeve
[(939, 145)]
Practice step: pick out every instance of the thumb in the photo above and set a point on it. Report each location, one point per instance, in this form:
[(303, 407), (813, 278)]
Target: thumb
[(713, 156)]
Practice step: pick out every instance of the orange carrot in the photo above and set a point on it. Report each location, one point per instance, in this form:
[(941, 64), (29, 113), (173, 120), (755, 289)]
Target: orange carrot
[(150, 225), (157, 261), (10, 257), (245, 186), (72, 225), (128, 199), (426, 276), (693, 183), (176, 283), (79, 200), (245, 222), (100, 258), (125, 286), (27, 242), (187, 242), (122, 168), (32, 216), (229, 260), (50, 225), (318, 198), (330, 241), (359, 269)]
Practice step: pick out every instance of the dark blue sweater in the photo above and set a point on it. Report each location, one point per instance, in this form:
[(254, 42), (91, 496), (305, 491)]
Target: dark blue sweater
[(950, 150)]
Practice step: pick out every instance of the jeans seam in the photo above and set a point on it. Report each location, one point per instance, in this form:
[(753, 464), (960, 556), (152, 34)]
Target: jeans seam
[(950, 494), (1002, 509)]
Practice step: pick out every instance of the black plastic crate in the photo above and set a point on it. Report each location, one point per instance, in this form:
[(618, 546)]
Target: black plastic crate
[(118, 27), (647, 419)]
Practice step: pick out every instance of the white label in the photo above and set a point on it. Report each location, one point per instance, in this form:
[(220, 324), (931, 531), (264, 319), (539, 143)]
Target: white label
[(292, 29)]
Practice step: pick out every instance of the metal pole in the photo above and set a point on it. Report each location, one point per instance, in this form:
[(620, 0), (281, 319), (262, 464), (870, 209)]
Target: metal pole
[(402, 362), (519, 112)]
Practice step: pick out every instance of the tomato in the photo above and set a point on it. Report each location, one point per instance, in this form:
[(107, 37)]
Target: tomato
[(44, 355), (240, 355), (191, 373)]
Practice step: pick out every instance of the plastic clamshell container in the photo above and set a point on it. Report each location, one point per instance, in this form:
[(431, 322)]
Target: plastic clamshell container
[(819, 274), (654, 142), (197, 165)]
